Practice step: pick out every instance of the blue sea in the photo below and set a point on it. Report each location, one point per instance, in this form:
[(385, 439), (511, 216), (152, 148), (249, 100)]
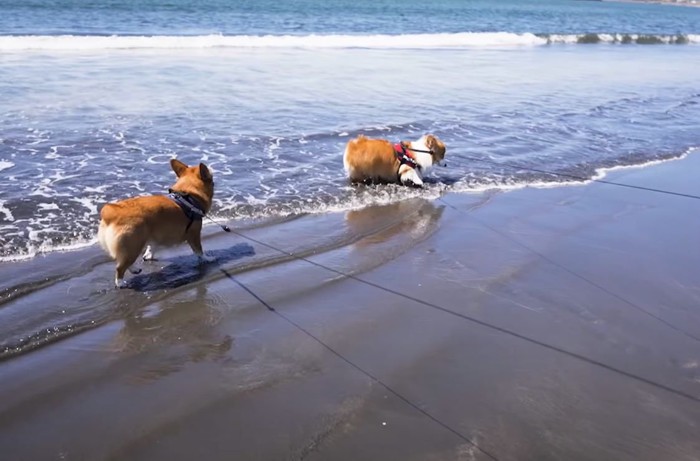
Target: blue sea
[(97, 95)]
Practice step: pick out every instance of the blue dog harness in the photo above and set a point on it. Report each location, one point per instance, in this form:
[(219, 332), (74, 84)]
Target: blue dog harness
[(189, 206)]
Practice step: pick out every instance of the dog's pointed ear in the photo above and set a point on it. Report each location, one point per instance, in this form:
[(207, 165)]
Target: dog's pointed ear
[(204, 173), (437, 148), (177, 166)]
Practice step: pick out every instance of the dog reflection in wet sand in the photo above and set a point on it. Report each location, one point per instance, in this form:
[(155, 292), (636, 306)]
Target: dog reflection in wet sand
[(414, 219), (129, 226), (379, 161)]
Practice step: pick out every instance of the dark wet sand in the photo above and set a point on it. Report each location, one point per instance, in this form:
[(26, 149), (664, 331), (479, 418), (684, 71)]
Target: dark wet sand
[(540, 324)]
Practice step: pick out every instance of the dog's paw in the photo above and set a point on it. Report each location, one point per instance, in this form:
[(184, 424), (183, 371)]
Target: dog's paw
[(412, 179), (411, 183), (120, 283), (148, 254), (204, 258), (135, 271)]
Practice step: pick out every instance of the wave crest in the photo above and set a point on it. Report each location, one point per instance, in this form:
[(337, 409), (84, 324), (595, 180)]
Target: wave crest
[(409, 41)]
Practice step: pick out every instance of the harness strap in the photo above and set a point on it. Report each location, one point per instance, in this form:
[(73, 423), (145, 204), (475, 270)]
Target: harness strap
[(188, 205), (404, 157)]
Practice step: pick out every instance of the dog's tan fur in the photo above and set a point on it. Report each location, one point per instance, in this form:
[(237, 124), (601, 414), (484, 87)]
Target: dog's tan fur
[(127, 226), (374, 160)]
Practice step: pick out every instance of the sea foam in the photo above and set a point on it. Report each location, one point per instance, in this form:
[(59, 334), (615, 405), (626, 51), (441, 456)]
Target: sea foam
[(376, 41)]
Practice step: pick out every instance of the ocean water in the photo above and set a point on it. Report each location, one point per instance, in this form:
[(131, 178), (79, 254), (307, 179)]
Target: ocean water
[(97, 96)]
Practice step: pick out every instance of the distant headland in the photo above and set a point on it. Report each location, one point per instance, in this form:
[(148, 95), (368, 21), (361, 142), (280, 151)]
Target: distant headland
[(664, 2)]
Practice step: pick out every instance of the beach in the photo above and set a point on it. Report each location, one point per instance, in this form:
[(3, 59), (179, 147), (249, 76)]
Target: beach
[(511, 309), (539, 323)]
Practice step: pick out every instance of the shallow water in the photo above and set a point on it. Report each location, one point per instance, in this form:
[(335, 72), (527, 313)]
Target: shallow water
[(91, 118)]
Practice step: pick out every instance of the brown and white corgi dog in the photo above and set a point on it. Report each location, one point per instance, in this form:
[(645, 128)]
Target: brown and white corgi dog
[(378, 160), (128, 226)]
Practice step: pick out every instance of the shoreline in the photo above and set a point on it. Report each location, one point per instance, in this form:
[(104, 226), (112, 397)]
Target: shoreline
[(600, 173)]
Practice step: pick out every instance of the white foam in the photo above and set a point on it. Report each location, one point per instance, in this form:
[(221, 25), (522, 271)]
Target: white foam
[(53, 153), (97, 189), (621, 38), (5, 165), (6, 211), (43, 190), (44, 247), (333, 41), (600, 173), (47, 206), (407, 41), (159, 159), (87, 203)]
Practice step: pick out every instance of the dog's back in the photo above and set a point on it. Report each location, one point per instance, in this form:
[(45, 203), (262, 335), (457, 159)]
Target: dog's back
[(139, 220), (370, 159)]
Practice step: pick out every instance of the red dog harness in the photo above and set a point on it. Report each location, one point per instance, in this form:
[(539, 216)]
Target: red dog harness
[(404, 156)]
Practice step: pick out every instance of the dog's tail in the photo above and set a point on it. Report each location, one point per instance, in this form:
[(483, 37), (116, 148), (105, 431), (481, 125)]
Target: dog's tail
[(346, 156), (346, 164), (107, 233), (107, 237)]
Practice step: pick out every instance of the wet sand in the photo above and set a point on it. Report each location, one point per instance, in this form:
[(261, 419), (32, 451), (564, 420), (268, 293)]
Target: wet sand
[(538, 324)]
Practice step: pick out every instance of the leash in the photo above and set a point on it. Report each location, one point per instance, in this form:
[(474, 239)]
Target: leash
[(418, 150), (223, 227), (375, 378), (493, 327), (473, 320)]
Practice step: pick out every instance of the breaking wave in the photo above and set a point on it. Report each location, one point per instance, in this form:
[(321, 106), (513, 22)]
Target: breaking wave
[(409, 41)]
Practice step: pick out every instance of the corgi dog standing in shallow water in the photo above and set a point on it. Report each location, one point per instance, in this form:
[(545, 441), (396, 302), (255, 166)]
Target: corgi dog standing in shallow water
[(128, 226), (378, 160)]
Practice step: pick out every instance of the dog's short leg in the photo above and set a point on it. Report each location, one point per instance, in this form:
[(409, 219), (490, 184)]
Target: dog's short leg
[(410, 177), (194, 239), (122, 265), (148, 254), (119, 281), (129, 247)]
